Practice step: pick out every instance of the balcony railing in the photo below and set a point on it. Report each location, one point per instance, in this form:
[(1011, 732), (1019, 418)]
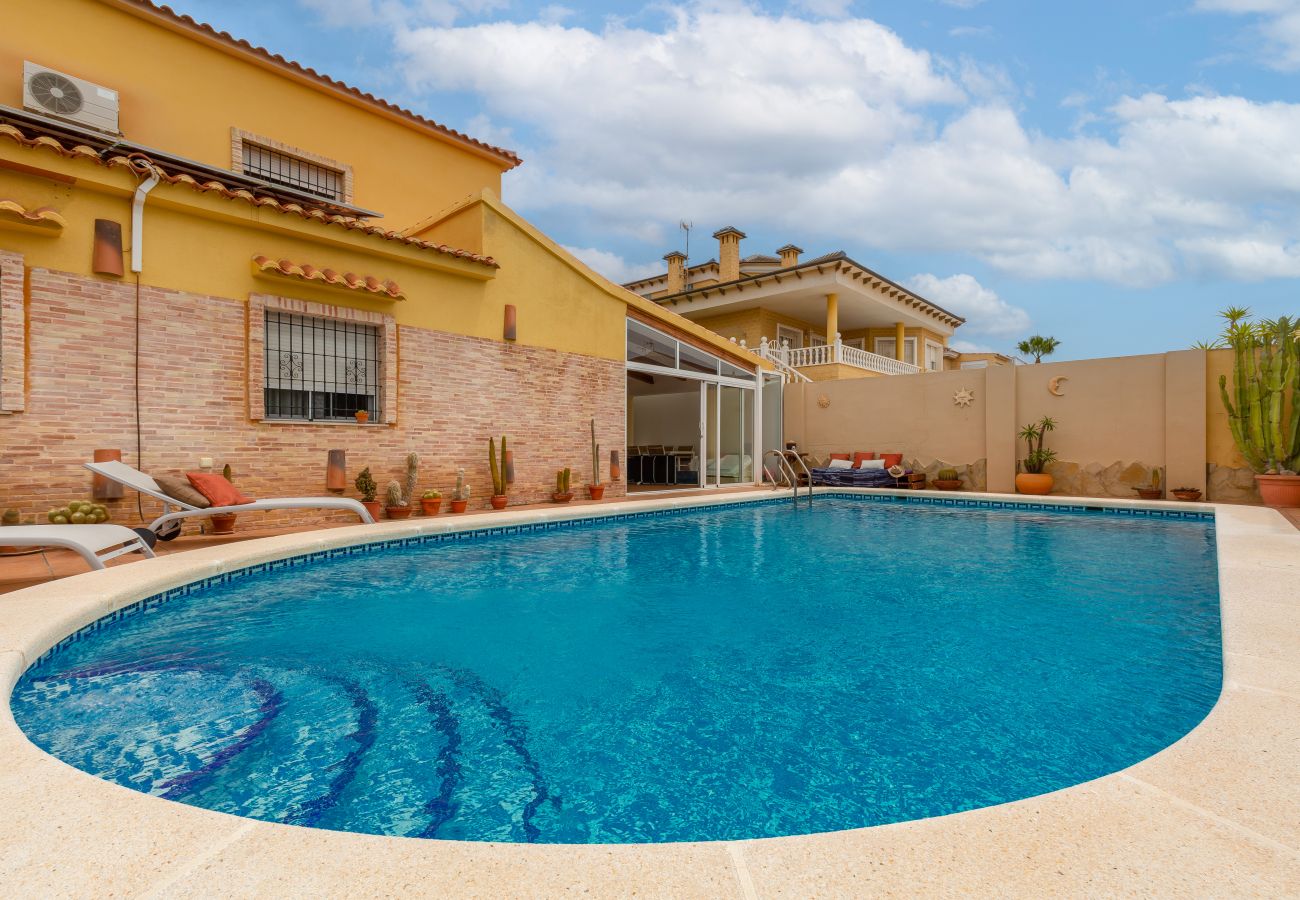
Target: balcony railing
[(796, 358)]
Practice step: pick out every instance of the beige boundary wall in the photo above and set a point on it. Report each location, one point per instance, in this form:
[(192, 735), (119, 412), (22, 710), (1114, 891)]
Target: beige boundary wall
[(1119, 420)]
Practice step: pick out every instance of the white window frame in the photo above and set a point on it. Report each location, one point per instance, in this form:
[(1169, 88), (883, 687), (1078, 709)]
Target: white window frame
[(975, 364), (789, 333), (938, 355), (858, 342), (816, 340), (909, 343)]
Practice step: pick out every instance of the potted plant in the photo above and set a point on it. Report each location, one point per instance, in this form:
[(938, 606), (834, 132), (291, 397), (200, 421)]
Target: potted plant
[(363, 416), (366, 486), (224, 523), (596, 489), (397, 499), (947, 480), (1034, 480), (1187, 495), (431, 502), (562, 493), (1151, 491), (460, 496), (498, 467), (1265, 424)]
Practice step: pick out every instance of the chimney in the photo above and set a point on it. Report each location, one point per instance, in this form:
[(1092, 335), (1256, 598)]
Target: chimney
[(729, 252), (789, 255), (676, 271)]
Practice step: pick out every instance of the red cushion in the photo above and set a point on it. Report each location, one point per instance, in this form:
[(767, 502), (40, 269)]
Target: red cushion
[(839, 456), (892, 459), (859, 457), (217, 489)]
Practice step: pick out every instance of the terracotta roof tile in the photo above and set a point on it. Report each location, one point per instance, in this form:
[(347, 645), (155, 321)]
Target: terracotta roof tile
[(138, 162), (308, 272), (224, 37), (41, 217)]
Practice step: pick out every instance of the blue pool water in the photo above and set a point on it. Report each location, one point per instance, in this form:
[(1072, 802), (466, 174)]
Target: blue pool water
[(735, 673)]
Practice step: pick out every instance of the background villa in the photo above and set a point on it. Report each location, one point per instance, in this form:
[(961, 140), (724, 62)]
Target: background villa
[(792, 311)]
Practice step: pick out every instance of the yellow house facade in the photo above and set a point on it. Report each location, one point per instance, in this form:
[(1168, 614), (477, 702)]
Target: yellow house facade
[(256, 252), (819, 319)]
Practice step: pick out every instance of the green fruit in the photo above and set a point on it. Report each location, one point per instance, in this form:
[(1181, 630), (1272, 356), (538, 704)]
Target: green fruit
[(78, 518), (63, 511), (51, 514), (59, 520), (101, 517)]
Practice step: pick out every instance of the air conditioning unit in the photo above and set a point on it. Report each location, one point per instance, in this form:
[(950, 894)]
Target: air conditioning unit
[(72, 99)]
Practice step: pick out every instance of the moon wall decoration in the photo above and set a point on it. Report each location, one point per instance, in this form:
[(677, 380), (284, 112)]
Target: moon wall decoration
[(1054, 386)]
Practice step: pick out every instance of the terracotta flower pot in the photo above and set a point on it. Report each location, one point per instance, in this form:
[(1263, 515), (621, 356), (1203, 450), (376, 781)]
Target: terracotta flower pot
[(223, 523), (431, 507), (498, 501), (397, 512), (372, 507), (597, 491), (1279, 491), (946, 485), (1149, 493), (562, 498), (1188, 496), (1030, 483), (458, 506), (362, 416)]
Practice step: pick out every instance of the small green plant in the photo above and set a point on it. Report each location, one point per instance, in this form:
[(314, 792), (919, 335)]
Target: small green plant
[(562, 481), (76, 512), (461, 491), (412, 478), (366, 486), (595, 456), (431, 495), (11, 517), (226, 473), (498, 467), (1155, 479), (1038, 457), (948, 475), (393, 494)]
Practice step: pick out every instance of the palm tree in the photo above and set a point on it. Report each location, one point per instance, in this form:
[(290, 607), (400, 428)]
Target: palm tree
[(1038, 347)]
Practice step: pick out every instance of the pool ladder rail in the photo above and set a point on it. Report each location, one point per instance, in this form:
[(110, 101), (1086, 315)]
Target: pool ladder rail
[(788, 473)]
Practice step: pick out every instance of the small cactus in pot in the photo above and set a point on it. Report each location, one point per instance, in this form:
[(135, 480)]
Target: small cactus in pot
[(1151, 491), (947, 480), (562, 493), (460, 495), (596, 489), (431, 502), (394, 502)]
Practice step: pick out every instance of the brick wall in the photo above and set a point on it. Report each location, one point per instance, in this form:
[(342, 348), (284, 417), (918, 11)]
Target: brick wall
[(453, 392), (12, 333)]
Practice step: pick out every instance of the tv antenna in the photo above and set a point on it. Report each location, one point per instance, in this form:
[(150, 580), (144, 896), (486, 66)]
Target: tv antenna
[(686, 227)]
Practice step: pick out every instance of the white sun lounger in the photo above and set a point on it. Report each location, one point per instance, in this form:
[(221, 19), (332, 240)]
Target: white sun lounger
[(96, 544), (167, 526)]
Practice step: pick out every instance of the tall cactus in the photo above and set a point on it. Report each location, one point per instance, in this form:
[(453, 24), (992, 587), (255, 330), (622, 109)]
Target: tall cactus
[(595, 455), (498, 467), (1266, 368), (562, 481), (412, 478)]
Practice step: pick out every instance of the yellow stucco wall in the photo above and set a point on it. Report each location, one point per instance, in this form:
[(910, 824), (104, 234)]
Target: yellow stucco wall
[(184, 96)]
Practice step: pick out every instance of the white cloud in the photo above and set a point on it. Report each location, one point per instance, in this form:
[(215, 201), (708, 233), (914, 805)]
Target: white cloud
[(613, 266), (984, 311), (842, 133), (1278, 27), (962, 31)]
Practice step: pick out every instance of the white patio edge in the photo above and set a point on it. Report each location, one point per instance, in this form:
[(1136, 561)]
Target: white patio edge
[(1215, 813)]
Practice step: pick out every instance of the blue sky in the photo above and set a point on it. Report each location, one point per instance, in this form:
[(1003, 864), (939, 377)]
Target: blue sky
[(1109, 173)]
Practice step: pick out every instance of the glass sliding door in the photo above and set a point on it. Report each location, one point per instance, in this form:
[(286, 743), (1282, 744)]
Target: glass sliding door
[(710, 409)]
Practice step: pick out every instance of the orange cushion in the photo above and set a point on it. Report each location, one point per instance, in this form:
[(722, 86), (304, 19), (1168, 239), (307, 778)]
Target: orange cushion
[(859, 457), (839, 456), (892, 459), (217, 489)]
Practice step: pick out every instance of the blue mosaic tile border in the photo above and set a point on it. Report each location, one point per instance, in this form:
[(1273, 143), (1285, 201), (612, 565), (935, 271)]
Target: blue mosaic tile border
[(156, 600)]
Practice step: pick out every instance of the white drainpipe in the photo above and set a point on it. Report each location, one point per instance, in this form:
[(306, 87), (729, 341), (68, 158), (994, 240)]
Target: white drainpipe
[(137, 212)]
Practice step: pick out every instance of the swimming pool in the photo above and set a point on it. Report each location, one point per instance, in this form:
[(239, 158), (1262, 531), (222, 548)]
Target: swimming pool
[(733, 673)]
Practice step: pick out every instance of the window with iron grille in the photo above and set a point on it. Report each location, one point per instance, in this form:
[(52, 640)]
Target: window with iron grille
[(320, 369), (290, 171)]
